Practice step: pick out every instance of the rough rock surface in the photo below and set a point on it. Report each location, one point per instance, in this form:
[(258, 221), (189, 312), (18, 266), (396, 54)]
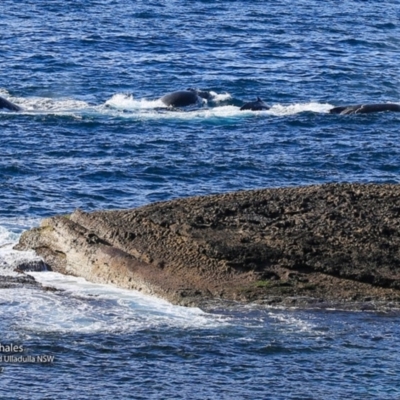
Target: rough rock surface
[(12, 282), (334, 242), (22, 280)]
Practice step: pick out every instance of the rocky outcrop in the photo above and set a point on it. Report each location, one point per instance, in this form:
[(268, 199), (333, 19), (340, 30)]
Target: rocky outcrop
[(22, 280), (335, 242), (12, 282)]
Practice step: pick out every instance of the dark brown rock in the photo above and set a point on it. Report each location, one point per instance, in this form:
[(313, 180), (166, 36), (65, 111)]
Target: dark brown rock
[(328, 242)]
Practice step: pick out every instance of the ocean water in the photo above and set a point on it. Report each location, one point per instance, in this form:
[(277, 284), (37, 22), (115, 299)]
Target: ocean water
[(94, 135)]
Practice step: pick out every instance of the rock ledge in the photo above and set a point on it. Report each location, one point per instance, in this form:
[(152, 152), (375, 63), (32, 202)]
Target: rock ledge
[(333, 242)]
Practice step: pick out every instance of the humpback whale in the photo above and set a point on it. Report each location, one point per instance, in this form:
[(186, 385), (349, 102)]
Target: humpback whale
[(257, 105), (365, 108), (8, 105), (183, 98)]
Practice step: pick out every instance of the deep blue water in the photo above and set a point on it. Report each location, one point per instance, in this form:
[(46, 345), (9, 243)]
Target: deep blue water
[(88, 75)]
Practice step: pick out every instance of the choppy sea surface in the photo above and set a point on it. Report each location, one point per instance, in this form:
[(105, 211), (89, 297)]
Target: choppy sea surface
[(94, 135)]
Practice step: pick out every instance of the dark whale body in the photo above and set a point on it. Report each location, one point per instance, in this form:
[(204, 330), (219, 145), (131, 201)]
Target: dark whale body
[(365, 108), (8, 105), (257, 105), (183, 98)]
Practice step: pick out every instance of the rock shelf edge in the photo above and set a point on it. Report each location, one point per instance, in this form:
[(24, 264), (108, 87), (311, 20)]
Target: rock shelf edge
[(336, 243)]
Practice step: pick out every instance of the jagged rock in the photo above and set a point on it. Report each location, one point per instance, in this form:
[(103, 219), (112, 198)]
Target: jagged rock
[(334, 241), (31, 266), (12, 282)]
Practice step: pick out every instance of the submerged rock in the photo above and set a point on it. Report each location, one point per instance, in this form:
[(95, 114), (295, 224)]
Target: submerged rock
[(31, 266), (325, 242), (12, 282)]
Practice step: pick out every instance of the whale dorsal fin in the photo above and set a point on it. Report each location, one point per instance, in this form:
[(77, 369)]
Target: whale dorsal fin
[(258, 98)]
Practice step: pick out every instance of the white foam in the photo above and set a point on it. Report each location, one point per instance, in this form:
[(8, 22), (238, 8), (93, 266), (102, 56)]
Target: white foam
[(146, 109), (299, 108), (9, 235), (222, 112), (4, 92), (52, 105), (82, 306), (219, 97), (126, 102), (294, 323), (47, 105)]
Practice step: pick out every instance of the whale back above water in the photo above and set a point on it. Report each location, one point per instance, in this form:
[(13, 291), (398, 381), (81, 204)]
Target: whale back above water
[(365, 108), (5, 104), (183, 98), (257, 105), (180, 98)]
